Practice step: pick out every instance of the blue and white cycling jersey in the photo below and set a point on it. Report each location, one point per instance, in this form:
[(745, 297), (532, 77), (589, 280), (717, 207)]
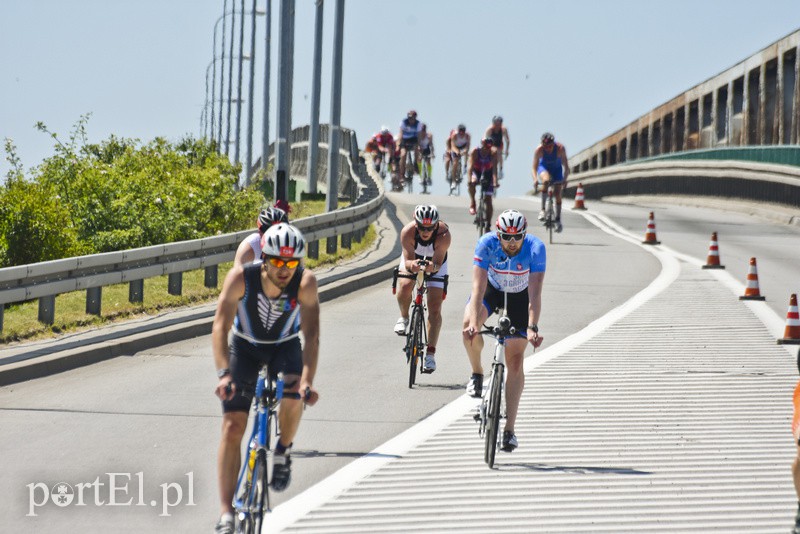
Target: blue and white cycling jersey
[(410, 131), (510, 274)]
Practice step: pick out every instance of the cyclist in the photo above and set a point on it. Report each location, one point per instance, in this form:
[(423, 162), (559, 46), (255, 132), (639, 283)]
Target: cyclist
[(550, 164), (457, 145), (513, 261), (250, 247), (483, 169), (425, 237), (268, 304), (499, 136), (410, 128), (384, 143), (426, 149)]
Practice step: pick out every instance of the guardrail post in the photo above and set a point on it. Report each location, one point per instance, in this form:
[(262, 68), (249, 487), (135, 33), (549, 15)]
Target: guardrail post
[(331, 245), (2, 309), (313, 250), (346, 240), (175, 283), (47, 309), (94, 300), (211, 273), (136, 291)]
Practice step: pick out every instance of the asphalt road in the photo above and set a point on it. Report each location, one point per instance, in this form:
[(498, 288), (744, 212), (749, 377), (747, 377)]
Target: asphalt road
[(154, 413)]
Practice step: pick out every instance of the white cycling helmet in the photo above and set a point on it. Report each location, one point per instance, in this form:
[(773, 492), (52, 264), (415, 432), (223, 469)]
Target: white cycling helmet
[(426, 215), (511, 222), (384, 129), (283, 240)]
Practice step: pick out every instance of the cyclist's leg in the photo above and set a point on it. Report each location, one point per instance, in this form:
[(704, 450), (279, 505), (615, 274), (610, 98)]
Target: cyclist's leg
[(473, 180), (244, 372), (515, 351), (488, 193), (446, 157), (474, 346), (435, 298), (402, 169), (288, 359), (515, 379), (558, 187), (544, 176)]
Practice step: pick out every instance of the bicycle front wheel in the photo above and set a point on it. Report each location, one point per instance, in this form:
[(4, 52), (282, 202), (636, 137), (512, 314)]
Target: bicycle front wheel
[(493, 415), (416, 346), (256, 499), (480, 218)]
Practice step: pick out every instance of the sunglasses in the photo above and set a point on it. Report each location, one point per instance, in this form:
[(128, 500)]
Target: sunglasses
[(512, 237), (278, 263), (426, 228)]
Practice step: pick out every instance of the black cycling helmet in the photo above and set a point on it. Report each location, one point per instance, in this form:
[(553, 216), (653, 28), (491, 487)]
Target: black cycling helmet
[(461, 128), (497, 118), (487, 141), (547, 137), (412, 113), (270, 216)]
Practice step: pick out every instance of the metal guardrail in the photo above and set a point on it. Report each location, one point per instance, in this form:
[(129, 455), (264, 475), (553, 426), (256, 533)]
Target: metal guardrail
[(762, 182), (45, 280)]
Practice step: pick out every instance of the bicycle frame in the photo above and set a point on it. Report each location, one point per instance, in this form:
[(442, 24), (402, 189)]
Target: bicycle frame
[(549, 211), (249, 506)]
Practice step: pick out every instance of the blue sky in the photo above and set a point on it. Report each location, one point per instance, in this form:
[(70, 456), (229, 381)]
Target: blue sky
[(580, 68)]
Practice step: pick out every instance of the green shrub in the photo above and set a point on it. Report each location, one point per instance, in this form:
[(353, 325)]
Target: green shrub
[(119, 194)]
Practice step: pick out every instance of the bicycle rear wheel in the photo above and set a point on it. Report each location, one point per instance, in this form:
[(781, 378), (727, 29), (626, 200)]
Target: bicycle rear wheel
[(493, 415)]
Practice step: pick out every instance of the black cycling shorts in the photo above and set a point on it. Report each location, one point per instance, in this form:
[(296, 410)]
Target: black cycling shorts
[(426, 151), (517, 308), (408, 143), (247, 360)]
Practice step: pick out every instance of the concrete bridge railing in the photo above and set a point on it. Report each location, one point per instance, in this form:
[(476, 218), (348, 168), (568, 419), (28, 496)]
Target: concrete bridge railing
[(759, 182)]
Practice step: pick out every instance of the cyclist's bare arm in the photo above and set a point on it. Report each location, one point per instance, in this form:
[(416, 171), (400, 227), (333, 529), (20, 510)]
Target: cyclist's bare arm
[(562, 153), (507, 141), (443, 238), (407, 242), (480, 277), (537, 155), (535, 282), (470, 160), (244, 254), (495, 164), (308, 298), (230, 295)]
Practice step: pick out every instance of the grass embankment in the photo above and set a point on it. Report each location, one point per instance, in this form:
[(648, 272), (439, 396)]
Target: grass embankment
[(21, 320)]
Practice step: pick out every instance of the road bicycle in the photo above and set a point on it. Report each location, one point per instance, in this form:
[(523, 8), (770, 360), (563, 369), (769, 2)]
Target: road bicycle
[(549, 221), (386, 162), (458, 171), (251, 498), (493, 403), (409, 169), (417, 334), (481, 220), (425, 174)]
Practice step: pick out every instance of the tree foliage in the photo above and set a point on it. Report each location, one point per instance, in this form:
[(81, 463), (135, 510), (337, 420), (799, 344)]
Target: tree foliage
[(118, 194)]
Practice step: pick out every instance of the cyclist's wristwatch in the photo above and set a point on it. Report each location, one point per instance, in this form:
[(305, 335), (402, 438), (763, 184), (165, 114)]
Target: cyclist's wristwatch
[(223, 372), (534, 327)]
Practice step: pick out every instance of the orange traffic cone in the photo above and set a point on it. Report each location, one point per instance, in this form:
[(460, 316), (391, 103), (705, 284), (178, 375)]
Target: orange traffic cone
[(579, 205), (751, 292), (791, 335), (712, 261), (650, 235)]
